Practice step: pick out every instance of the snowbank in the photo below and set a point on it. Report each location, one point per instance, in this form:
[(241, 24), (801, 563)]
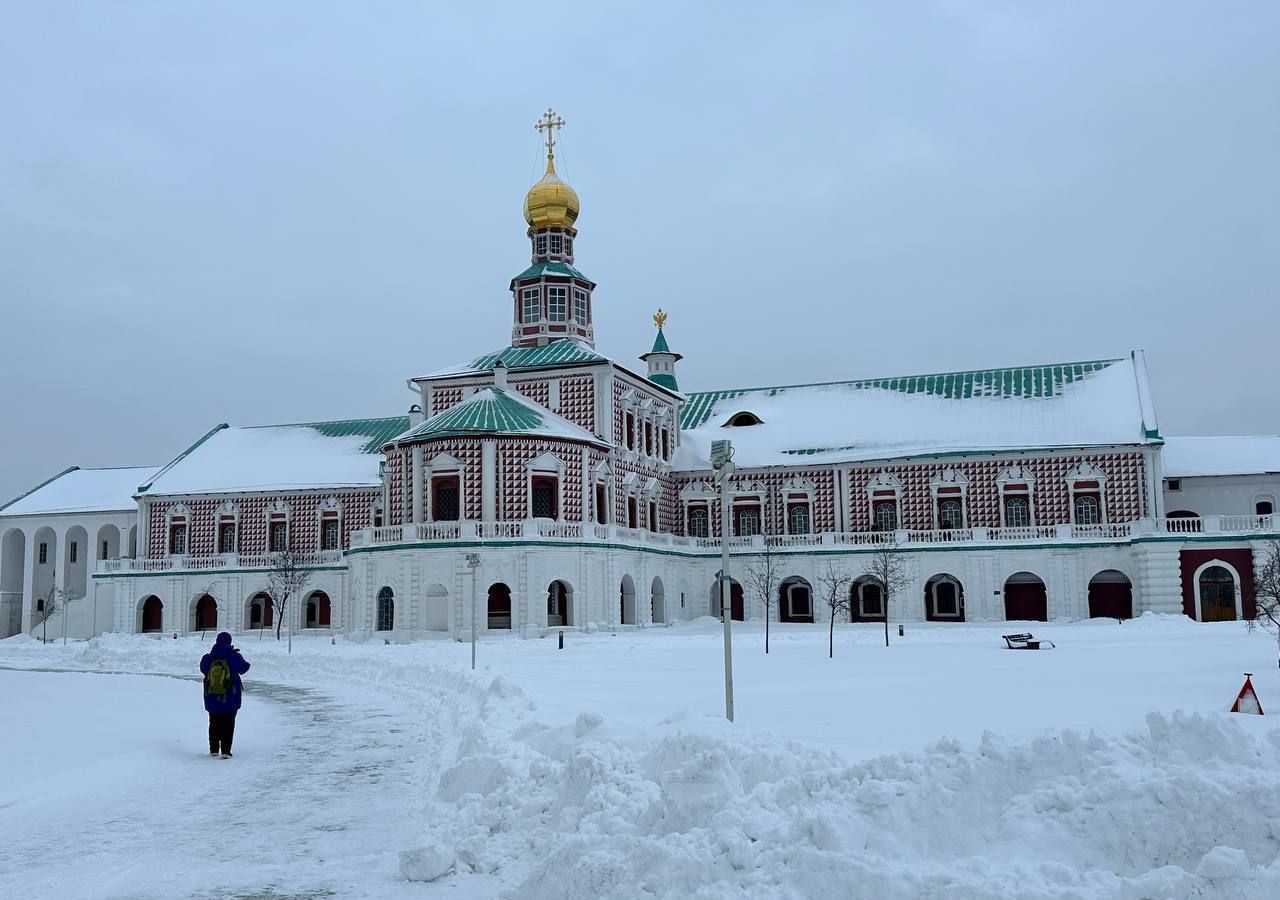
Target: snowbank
[(1188, 807)]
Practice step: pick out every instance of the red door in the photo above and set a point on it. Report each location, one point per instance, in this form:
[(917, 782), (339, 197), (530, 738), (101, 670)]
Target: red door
[(1026, 602), (152, 614), (1111, 600)]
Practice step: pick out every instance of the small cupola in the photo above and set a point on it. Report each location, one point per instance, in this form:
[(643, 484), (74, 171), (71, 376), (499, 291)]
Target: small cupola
[(660, 360)]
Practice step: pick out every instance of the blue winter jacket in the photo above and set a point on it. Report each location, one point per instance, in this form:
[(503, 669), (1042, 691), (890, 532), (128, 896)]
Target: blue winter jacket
[(222, 649)]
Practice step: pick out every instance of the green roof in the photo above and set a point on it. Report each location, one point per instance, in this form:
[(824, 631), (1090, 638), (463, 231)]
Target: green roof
[(1026, 381), (487, 411), (556, 353), (537, 270), (660, 343), (378, 431), (666, 380)]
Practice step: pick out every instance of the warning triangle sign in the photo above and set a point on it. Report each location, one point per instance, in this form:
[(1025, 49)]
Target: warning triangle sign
[(1247, 699)]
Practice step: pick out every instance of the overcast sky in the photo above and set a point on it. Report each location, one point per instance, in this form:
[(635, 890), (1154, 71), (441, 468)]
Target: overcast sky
[(256, 213)]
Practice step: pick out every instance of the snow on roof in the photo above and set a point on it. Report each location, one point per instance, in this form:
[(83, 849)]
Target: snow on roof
[(563, 352), (492, 410), (306, 456), (1070, 405), (1251, 454), (81, 490)]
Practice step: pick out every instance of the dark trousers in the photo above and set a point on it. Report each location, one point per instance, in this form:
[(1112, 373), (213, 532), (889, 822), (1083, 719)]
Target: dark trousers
[(222, 727)]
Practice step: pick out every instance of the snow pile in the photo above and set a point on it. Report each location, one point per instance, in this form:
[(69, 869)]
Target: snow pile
[(1189, 807)]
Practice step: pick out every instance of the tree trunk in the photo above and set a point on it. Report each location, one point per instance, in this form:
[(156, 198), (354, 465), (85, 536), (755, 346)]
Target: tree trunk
[(279, 620), (766, 631), (831, 637), (886, 618)]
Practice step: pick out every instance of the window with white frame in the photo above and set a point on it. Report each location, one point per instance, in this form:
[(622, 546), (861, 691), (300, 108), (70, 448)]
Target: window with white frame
[(227, 534), (886, 515), (540, 245), (568, 245), (44, 553), (542, 497), (532, 305), (699, 521), (746, 519), (580, 306), (950, 513), (1088, 511), (1017, 512), (870, 598), (329, 530), (798, 517), (1087, 484), (653, 516), (278, 533), (178, 535), (557, 303), (945, 597), (557, 244)]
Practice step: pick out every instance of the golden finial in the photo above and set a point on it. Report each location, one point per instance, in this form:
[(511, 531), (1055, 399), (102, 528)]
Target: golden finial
[(659, 319), (549, 122)]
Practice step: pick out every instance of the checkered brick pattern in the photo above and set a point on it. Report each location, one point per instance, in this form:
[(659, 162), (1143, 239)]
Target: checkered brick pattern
[(397, 475), (536, 389), (824, 497), (622, 468), (1051, 496), (578, 401), (513, 457), (469, 454), (251, 525), (443, 398)]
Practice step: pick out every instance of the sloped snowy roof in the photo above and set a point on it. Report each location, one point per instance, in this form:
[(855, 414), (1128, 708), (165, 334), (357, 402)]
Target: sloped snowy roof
[(492, 410), (343, 453), (81, 490), (1101, 402), (564, 352), (1251, 454)]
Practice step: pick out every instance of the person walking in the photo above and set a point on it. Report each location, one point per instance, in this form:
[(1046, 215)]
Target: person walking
[(222, 667)]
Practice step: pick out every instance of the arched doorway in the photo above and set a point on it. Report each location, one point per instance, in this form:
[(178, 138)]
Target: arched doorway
[(944, 599), (151, 615), (1110, 595), (795, 600), (499, 606), (737, 608), (657, 602), (318, 610), (107, 544), (1217, 594), (386, 610), (1025, 598), (866, 600), (559, 604), (627, 601), (44, 560), (437, 618), (13, 551), (260, 611), (204, 614), (75, 563)]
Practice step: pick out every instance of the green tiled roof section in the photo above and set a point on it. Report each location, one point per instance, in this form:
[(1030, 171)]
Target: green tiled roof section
[(537, 270), (492, 410), (1027, 381), (556, 353), (378, 431), (667, 381), (660, 343)]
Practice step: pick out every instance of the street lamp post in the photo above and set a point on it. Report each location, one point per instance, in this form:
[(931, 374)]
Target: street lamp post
[(721, 462), (473, 563)]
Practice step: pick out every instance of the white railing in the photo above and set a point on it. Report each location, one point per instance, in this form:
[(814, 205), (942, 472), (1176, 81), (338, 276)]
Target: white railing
[(860, 537), (601, 532), (1179, 525), (1109, 530), (1022, 533), (492, 530), (437, 531), (791, 540), (387, 534), (552, 529), (941, 536), (1246, 523)]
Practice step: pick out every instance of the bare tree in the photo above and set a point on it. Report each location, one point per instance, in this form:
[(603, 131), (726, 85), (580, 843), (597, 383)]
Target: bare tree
[(835, 591), (1266, 593), (47, 606), (888, 566), (762, 580), (285, 578)]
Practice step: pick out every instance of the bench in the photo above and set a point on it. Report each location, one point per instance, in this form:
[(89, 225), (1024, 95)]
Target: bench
[(1024, 642)]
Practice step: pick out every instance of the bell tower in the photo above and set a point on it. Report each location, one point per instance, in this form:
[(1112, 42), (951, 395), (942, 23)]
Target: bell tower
[(551, 299)]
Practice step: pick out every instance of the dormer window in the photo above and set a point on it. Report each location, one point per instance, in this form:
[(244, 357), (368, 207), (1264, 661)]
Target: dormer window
[(743, 419)]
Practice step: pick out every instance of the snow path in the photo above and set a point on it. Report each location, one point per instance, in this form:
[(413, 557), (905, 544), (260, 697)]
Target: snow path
[(316, 802)]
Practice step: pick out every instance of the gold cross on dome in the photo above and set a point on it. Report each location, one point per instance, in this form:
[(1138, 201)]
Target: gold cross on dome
[(549, 122), (659, 319)]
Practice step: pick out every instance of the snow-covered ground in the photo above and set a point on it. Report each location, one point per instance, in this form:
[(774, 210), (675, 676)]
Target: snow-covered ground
[(943, 766)]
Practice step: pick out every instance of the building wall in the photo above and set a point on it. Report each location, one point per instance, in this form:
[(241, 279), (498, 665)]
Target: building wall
[(1238, 558), (1226, 495)]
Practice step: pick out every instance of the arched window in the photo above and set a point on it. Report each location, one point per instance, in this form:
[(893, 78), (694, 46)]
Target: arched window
[(743, 419), (798, 518), (795, 600), (386, 609), (950, 514), (1017, 512), (206, 613), (944, 598), (886, 513), (558, 612), (699, 521), (1088, 511), (1217, 595), (543, 497), (868, 599), (1264, 508), (318, 610), (499, 606), (152, 615)]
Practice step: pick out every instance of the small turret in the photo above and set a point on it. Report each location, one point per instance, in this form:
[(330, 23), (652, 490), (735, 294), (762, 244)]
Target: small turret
[(661, 361)]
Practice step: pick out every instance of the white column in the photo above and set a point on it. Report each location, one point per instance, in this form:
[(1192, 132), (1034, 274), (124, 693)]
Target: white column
[(587, 489), (28, 579), (415, 469)]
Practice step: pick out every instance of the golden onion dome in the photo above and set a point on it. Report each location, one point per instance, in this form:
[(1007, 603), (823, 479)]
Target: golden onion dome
[(551, 201)]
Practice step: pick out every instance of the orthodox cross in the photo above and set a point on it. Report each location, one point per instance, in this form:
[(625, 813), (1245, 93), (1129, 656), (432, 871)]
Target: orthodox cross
[(549, 122)]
